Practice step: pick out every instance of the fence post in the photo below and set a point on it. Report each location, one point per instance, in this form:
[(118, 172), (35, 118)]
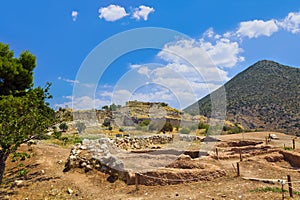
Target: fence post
[(136, 181), (290, 185), (241, 159), (294, 146), (217, 153), (238, 168)]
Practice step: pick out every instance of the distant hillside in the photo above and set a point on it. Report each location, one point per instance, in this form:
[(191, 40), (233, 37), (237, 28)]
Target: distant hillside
[(265, 96)]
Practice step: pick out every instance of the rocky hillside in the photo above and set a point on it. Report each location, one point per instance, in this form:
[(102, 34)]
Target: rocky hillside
[(265, 96)]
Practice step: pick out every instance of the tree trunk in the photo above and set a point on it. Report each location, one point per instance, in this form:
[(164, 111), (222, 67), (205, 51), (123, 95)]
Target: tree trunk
[(3, 157)]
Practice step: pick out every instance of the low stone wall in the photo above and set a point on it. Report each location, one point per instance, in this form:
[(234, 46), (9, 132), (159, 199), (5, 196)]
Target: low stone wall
[(142, 142), (291, 157), (105, 155)]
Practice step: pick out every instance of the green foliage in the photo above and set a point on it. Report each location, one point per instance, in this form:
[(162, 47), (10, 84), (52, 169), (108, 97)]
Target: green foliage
[(80, 126), (167, 127), (16, 74), (24, 114), (22, 172), (57, 134), (268, 189), (19, 156), (288, 148), (22, 117), (63, 126), (110, 128), (145, 122), (185, 130), (202, 125), (233, 129)]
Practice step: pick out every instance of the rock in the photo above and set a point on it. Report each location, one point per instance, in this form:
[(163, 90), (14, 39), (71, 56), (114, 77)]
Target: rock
[(18, 182), (85, 142), (70, 191), (42, 171), (274, 137), (73, 157), (59, 162), (83, 164), (82, 147), (88, 167)]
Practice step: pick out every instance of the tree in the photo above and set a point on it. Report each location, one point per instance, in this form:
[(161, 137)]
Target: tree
[(63, 126), (80, 126), (16, 74), (24, 114)]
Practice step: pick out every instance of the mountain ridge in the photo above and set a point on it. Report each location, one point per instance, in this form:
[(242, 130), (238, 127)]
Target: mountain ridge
[(264, 96)]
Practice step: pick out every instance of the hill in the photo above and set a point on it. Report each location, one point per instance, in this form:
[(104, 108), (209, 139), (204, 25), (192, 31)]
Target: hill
[(265, 96)]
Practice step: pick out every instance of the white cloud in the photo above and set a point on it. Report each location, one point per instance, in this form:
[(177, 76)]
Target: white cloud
[(82, 103), (112, 13), (291, 23), (142, 12), (68, 80), (256, 28), (224, 52), (74, 15)]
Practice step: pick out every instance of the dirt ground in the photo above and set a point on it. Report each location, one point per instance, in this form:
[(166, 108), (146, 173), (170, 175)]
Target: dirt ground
[(46, 179)]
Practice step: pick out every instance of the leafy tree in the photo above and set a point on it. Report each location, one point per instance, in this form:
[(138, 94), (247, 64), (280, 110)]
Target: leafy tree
[(16, 74), (63, 126), (80, 126), (105, 107), (23, 112)]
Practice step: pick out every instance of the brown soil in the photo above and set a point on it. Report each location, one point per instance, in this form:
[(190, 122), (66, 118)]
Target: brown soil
[(46, 179)]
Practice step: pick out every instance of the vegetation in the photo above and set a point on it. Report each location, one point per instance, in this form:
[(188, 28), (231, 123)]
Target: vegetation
[(23, 112), (185, 130), (167, 127), (202, 125), (63, 126)]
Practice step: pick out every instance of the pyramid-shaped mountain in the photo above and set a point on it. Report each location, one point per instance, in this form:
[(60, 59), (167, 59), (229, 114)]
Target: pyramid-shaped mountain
[(265, 96)]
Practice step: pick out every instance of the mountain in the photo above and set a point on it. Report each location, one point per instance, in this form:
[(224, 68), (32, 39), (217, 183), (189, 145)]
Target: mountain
[(265, 96)]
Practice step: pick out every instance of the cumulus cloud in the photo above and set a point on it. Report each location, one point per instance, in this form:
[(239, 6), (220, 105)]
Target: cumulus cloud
[(112, 13), (82, 103), (74, 15), (142, 12), (291, 23), (256, 28)]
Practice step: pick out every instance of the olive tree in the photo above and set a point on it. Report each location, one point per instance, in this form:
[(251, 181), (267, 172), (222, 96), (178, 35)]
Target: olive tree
[(24, 114)]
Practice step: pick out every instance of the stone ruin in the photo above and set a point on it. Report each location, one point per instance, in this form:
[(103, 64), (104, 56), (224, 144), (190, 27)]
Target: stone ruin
[(126, 158)]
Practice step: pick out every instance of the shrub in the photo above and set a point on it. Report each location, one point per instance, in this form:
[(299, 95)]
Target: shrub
[(144, 123), (63, 126), (185, 131), (57, 134), (167, 127)]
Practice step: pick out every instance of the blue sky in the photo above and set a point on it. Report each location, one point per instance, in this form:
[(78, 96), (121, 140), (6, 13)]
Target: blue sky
[(233, 34)]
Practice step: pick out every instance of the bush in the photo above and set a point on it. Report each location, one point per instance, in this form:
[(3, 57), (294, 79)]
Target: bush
[(63, 126), (202, 125), (144, 123), (57, 134), (167, 127), (185, 131)]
